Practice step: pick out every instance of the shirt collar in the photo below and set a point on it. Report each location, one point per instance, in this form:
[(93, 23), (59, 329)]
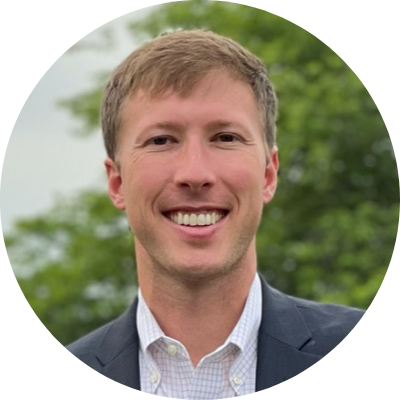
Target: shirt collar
[(249, 322), (148, 329)]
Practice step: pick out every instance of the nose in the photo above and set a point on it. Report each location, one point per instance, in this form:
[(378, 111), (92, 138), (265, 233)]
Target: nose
[(194, 169)]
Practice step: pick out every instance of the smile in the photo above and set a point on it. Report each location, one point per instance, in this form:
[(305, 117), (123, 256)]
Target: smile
[(200, 219)]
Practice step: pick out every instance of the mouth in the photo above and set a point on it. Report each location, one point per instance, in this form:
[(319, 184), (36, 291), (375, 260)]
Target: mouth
[(200, 218)]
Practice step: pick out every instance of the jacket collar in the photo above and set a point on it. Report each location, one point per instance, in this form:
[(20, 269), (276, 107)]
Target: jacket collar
[(118, 352), (282, 334)]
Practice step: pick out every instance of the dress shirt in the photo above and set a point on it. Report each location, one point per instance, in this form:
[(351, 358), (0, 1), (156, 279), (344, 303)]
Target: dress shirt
[(229, 371)]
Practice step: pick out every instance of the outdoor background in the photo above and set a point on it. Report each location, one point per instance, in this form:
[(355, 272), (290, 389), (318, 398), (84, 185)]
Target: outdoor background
[(329, 233)]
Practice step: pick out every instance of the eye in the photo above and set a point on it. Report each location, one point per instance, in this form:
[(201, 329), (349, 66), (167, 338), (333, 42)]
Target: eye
[(227, 138), (160, 140)]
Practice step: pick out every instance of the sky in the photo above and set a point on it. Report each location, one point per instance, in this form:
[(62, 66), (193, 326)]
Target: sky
[(45, 158)]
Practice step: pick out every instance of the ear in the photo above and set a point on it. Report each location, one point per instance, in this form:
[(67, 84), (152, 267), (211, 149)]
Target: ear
[(114, 184), (271, 175)]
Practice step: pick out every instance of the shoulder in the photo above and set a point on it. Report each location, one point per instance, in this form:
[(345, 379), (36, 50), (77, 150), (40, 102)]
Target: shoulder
[(105, 343), (87, 347), (307, 326), (329, 324)]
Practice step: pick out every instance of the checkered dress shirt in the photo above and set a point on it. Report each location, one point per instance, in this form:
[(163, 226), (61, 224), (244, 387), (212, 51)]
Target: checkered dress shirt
[(229, 371)]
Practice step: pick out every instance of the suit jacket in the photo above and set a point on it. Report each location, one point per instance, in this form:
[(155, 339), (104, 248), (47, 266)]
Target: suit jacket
[(294, 334)]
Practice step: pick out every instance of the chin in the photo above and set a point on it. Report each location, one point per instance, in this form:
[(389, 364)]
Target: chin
[(200, 271)]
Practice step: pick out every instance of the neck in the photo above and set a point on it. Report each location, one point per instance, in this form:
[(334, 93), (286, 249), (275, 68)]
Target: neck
[(200, 315)]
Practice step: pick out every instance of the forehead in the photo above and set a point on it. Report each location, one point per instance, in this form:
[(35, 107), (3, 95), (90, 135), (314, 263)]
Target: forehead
[(219, 92)]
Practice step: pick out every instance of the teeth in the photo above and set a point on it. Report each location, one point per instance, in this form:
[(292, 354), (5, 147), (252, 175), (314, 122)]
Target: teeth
[(201, 219), (196, 219)]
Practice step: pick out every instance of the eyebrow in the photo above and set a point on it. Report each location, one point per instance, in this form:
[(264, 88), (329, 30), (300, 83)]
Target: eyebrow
[(222, 124), (166, 125), (176, 126), (212, 124)]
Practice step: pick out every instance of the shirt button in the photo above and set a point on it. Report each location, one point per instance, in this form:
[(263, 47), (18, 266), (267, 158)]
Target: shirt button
[(155, 376), (237, 380), (172, 350)]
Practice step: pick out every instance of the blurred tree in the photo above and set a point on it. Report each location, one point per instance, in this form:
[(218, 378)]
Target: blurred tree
[(75, 264), (329, 233)]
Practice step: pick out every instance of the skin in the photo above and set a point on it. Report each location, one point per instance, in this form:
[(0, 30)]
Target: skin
[(195, 154)]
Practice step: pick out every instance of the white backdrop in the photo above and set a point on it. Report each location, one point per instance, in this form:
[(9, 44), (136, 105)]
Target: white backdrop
[(35, 34)]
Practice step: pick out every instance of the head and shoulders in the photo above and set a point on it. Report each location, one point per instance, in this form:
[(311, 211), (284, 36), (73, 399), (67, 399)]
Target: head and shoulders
[(189, 127)]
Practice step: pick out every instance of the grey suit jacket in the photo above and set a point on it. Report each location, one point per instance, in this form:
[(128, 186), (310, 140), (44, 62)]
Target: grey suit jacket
[(294, 334)]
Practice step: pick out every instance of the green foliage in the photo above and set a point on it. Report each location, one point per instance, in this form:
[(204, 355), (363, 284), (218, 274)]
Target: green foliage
[(75, 264), (85, 107), (330, 231)]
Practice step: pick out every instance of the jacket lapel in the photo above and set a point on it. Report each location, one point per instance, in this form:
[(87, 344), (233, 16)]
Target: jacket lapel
[(119, 350), (282, 334)]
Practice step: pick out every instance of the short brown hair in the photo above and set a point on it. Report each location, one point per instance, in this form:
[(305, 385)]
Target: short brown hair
[(178, 61)]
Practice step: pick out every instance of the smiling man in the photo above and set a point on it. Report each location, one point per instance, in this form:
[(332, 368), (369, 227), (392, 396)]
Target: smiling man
[(189, 127)]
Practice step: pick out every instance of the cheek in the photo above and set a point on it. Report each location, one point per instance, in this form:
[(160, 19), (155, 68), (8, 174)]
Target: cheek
[(142, 182), (247, 172), (248, 181)]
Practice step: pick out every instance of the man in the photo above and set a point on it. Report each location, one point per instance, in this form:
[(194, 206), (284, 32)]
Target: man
[(189, 127)]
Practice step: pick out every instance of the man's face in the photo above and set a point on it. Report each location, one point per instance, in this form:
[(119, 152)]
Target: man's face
[(194, 176)]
